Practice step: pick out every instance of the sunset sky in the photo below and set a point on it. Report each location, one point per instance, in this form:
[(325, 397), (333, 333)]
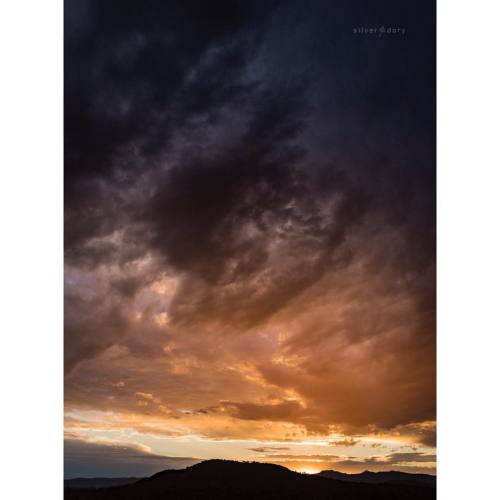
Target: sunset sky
[(249, 235)]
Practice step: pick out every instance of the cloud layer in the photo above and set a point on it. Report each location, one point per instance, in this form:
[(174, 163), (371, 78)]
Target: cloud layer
[(96, 459)]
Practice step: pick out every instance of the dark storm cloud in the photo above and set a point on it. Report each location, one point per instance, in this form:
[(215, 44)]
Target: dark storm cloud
[(221, 216), (134, 75), (134, 71)]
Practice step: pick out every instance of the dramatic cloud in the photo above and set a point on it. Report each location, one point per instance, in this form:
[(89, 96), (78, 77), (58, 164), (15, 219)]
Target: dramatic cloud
[(250, 226)]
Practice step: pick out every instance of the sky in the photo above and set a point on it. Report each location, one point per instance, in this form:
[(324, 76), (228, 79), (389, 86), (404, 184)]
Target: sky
[(249, 235)]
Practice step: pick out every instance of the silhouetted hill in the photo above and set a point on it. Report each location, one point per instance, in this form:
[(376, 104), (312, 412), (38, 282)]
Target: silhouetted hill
[(380, 477), (221, 479), (99, 482)]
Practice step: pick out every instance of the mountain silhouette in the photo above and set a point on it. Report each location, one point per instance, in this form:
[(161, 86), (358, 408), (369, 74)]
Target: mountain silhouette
[(224, 479)]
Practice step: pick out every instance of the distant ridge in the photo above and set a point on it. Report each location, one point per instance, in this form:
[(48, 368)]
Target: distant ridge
[(230, 480), (99, 482), (380, 477)]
